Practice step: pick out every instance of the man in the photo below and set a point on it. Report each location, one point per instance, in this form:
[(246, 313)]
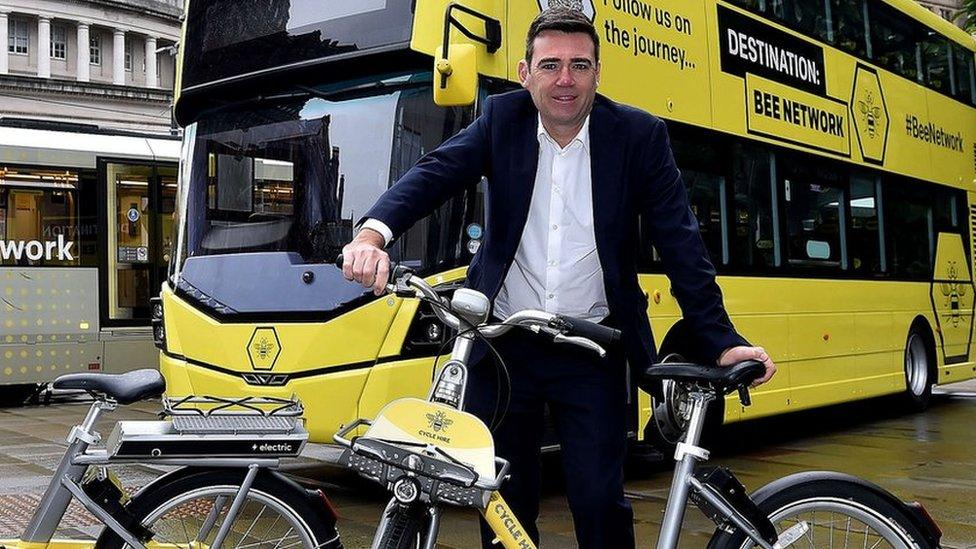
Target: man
[(568, 174)]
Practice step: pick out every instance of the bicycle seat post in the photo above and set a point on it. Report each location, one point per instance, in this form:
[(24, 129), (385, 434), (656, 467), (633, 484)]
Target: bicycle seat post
[(687, 454)]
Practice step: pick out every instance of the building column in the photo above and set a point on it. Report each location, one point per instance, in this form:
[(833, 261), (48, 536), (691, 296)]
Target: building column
[(151, 80), (43, 47), (4, 60), (84, 54), (118, 57)]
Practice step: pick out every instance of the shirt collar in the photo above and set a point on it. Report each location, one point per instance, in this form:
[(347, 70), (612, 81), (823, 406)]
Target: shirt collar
[(583, 136)]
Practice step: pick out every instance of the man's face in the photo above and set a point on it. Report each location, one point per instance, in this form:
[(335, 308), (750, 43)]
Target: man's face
[(562, 79)]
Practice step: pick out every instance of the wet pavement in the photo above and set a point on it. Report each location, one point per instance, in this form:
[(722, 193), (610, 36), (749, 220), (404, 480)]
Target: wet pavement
[(928, 457)]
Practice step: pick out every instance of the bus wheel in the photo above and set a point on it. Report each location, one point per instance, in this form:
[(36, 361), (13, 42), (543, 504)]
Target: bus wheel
[(669, 420), (918, 371), (15, 395)]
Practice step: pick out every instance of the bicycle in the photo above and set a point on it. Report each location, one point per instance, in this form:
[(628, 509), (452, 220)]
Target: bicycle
[(430, 453), (226, 493)]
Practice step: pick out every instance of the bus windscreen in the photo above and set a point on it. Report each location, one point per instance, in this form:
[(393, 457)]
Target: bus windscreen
[(229, 38)]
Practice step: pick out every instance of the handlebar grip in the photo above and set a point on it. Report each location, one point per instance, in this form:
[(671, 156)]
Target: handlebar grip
[(591, 330), (396, 272)]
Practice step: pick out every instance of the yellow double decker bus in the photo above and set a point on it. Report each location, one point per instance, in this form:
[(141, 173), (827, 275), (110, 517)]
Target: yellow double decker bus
[(827, 147)]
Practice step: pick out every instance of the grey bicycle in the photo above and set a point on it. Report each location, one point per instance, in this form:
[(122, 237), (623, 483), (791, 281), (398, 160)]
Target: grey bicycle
[(225, 493), (407, 449)]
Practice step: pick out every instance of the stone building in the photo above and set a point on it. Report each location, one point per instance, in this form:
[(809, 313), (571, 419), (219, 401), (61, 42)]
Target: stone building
[(105, 63), (946, 9)]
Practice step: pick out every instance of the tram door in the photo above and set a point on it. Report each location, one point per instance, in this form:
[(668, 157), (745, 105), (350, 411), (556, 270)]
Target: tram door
[(138, 206)]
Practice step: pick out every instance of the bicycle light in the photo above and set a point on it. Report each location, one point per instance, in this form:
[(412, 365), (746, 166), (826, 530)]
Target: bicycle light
[(158, 328)]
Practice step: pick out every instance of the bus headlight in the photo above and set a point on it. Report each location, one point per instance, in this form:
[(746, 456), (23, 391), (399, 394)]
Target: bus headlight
[(158, 331)]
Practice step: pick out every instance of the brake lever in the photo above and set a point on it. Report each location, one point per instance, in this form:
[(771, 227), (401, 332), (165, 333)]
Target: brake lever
[(582, 342)]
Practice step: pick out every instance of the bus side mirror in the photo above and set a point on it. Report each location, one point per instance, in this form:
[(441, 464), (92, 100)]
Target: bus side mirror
[(455, 76)]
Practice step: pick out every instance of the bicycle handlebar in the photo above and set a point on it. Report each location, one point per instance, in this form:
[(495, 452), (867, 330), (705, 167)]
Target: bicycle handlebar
[(562, 328)]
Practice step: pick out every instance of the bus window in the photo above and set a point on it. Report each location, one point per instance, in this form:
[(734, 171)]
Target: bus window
[(894, 40), (965, 76), (863, 234), (813, 202), (946, 211), (936, 57), (909, 229), (752, 244), (702, 166), (847, 26)]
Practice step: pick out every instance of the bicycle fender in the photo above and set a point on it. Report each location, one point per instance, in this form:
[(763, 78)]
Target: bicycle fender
[(914, 512)]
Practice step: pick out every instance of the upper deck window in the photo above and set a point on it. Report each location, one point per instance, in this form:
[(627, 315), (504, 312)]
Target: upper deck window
[(964, 74), (895, 40), (227, 38)]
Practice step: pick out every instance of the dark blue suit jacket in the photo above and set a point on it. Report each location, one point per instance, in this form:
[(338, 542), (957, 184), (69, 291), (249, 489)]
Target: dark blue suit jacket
[(633, 172)]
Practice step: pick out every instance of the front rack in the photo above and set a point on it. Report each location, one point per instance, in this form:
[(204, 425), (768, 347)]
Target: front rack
[(208, 415)]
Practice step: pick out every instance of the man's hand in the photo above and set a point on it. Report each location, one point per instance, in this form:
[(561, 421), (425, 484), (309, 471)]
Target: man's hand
[(734, 355), (364, 261)]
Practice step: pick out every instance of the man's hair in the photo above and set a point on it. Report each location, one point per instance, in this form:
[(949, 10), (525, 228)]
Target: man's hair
[(561, 18)]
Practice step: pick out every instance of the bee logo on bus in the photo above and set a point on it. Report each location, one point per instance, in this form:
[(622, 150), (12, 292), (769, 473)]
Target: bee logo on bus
[(952, 291), (263, 348), (870, 114)]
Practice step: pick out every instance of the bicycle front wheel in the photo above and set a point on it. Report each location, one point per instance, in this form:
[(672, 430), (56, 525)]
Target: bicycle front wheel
[(190, 509), (840, 514)]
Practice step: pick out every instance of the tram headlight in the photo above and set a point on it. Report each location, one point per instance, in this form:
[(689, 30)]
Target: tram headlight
[(158, 330)]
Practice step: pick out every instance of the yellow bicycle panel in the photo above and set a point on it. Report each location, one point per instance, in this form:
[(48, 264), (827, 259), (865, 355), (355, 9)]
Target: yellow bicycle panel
[(462, 435)]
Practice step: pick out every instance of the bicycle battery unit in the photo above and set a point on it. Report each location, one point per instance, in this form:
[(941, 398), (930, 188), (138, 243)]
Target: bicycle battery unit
[(161, 439), (724, 484)]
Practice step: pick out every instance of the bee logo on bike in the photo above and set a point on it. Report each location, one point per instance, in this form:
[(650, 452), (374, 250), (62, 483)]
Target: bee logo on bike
[(439, 421), (263, 348)]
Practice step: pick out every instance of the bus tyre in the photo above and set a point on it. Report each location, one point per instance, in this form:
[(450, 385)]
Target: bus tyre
[(178, 509), (842, 511), (919, 370), (668, 422)]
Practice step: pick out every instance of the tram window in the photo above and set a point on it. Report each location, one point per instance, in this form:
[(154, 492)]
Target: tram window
[(752, 242), (965, 76), (935, 62), (847, 26), (863, 233), (908, 229), (40, 220), (894, 40)]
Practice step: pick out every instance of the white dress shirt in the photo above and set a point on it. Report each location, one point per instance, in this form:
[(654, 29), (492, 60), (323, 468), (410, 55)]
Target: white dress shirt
[(556, 267)]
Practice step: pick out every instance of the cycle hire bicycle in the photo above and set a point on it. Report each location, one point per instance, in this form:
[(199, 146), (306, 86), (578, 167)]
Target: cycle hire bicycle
[(226, 493), (430, 453)]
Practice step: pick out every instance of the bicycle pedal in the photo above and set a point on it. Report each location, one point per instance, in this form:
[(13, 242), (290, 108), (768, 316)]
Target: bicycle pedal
[(791, 535)]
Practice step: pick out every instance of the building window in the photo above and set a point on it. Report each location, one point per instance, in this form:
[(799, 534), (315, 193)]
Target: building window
[(128, 56), (59, 42), (17, 37), (95, 49), (946, 14)]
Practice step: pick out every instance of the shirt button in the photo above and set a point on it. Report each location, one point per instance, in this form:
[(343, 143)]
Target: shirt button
[(551, 296), (553, 263), (554, 227)]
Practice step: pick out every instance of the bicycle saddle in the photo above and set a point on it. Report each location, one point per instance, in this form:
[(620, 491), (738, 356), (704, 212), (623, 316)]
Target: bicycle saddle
[(722, 379), (124, 388)]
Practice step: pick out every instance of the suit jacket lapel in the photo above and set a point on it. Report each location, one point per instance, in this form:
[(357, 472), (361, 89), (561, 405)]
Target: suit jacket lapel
[(524, 163), (606, 164)]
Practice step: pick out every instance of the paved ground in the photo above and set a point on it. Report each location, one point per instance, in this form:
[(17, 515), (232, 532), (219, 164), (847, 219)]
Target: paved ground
[(927, 457)]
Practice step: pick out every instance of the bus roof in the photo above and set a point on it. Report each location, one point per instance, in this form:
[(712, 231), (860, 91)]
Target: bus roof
[(917, 11), (80, 150)]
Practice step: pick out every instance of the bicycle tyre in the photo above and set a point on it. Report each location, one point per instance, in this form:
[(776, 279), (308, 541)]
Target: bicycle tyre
[(403, 527), (187, 496), (831, 495)]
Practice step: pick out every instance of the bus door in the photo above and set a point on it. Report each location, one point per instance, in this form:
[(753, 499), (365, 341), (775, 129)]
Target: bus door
[(137, 217)]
